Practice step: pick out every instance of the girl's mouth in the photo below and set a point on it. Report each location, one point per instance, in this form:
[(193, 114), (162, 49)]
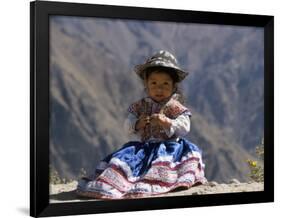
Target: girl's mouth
[(159, 96)]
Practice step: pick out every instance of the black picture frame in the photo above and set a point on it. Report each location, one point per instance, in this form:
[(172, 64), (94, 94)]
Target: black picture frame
[(40, 112)]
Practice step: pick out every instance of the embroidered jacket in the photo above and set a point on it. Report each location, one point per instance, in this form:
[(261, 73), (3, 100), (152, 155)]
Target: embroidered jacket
[(172, 108)]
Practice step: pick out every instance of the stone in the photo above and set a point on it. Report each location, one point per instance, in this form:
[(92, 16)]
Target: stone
[(212, 184), (195, 193), (234, 181)]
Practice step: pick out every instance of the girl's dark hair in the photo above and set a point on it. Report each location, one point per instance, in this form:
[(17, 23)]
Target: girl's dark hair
[(172, 73)]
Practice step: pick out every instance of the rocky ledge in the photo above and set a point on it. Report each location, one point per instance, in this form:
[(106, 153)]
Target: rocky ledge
[(66, 192)]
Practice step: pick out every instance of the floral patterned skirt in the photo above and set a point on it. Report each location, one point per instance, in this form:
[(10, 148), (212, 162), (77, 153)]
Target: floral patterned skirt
[(142, 169)]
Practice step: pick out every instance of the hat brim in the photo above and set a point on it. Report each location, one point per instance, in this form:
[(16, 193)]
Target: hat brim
[(142, 68)]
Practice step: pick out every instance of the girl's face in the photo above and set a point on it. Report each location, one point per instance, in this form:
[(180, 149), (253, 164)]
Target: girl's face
[(159, 86)]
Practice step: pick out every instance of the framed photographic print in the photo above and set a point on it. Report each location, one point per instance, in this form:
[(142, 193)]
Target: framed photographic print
[(142, 108)]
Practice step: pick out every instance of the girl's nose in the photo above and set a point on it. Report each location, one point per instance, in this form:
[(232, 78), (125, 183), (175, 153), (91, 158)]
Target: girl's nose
[(160, 87)]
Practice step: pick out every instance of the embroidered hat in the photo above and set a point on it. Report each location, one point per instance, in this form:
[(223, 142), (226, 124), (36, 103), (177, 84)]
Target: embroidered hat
[(161, 59)]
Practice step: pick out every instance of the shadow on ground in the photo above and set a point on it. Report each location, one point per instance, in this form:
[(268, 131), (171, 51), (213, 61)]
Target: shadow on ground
[(68, 196)]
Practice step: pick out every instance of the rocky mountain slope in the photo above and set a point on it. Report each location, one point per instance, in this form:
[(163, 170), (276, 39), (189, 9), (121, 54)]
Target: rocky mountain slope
[(92, 83)]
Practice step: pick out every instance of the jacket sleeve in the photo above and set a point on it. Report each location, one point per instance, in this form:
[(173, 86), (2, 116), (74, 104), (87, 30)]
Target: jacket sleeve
[(129, 125), (180, 126)]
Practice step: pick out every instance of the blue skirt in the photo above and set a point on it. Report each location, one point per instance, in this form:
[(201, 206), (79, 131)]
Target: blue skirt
[(142, 169)]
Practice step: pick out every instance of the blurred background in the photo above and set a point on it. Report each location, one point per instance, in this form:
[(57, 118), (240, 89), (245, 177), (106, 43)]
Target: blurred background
[(92, 83)]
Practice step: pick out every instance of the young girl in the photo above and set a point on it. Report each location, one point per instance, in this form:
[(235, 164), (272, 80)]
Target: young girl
[(163, 159)]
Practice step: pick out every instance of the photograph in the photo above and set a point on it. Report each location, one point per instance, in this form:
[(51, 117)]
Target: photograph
[(100, 84), (149, 105)]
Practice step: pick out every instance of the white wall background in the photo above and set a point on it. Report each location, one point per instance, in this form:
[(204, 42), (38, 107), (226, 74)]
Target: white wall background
[(14, 106)]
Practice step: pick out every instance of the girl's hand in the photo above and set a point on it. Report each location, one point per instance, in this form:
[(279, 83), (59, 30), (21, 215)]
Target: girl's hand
[(142, 122), (162, 120)]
